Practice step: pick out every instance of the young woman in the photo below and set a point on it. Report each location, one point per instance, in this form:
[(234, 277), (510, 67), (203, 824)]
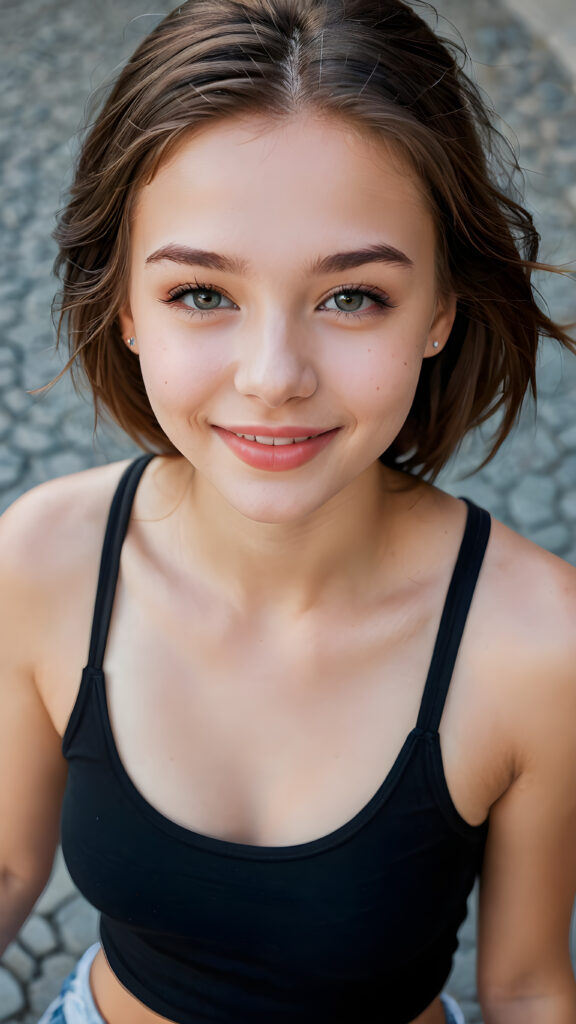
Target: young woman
[(286, 697)]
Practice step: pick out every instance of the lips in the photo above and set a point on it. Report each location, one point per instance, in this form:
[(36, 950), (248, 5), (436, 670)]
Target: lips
[(282, 449)]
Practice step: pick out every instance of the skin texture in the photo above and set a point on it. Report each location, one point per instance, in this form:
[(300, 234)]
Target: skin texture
[(293, 612), (279, 358)]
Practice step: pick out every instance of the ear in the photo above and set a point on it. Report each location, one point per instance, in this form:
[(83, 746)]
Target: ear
[(441, 325), (127, 328)]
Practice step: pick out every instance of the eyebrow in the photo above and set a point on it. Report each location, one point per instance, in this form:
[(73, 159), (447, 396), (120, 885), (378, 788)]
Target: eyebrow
[(340, 261), (198, 257), (335, 263)]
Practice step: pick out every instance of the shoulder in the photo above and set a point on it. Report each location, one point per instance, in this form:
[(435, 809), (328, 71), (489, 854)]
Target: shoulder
[(525, 641), (50, 549), (50, 543), (519, 646), (43, 532), (534, 592)]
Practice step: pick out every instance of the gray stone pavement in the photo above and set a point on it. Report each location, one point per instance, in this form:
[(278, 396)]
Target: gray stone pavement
[(53, 54)]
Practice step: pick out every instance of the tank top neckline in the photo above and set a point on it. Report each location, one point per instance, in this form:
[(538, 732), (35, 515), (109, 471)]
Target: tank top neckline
[(456, 605)]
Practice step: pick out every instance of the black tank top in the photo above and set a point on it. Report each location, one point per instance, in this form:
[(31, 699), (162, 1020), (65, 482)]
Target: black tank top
[(357, 927)]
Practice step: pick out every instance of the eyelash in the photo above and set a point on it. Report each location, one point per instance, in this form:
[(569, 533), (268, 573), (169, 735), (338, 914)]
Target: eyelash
[(377, 296), (381, 299), (198, 286)]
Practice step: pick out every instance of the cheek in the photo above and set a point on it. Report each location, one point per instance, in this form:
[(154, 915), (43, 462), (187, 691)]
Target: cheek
[(385, 390), (384, 377), (178, 378)]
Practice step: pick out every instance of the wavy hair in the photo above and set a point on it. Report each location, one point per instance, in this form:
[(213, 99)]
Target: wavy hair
[(375, 64)]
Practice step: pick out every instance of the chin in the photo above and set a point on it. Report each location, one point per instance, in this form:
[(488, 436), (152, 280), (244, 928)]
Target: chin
[(274, 513), (277, 506)]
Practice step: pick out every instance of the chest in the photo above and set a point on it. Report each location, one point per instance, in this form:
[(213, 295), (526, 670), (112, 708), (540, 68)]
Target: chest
[(269, 740), (268, 732), (345, 918)]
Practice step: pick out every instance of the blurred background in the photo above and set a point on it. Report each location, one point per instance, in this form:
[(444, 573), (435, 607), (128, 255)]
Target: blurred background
[(54, 54)]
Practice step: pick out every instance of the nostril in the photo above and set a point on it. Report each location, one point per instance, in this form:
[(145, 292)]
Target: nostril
[(276, 380)]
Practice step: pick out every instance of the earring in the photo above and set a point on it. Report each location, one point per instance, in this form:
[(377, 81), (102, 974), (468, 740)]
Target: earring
[(131, 342), (435, 344)]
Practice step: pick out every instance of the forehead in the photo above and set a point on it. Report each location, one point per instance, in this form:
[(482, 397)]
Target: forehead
[(250, 182)]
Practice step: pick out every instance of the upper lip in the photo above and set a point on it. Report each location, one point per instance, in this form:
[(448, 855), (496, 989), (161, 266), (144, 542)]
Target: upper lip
[(298, 431)]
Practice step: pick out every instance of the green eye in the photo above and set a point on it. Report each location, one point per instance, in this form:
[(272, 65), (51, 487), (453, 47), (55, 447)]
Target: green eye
[(349, 302), (204, 298), (199, 298), (360, 299)]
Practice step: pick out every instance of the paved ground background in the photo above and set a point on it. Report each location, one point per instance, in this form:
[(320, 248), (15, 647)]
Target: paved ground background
[(553, 21), (52, 56)]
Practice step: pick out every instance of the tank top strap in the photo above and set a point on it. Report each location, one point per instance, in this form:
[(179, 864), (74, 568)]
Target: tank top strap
[(116, 527), (454, 615)]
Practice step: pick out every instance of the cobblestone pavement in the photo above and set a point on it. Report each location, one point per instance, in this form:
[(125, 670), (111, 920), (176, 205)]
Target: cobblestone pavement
[(52, 55)]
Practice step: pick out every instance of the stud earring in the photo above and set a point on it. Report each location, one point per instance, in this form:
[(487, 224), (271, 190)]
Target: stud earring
[(131, 342), (435, 344)]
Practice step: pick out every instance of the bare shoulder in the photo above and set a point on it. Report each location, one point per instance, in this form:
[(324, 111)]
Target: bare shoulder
[(526, 638), (48, 529), (50, 543), (535, 593)]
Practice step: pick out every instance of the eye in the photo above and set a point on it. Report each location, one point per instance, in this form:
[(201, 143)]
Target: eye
[(200, 298), (206, 298), (356, 300)]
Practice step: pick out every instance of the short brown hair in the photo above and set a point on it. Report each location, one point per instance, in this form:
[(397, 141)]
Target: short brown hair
[(378, 65)]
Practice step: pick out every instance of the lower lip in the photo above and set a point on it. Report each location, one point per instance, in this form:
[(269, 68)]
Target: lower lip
[(275, 457)]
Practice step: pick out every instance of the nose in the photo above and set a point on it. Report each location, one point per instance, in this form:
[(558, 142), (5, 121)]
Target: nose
[(274, 364)]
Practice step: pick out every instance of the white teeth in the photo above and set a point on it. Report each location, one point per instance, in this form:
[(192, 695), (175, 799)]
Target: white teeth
[(267, 439)]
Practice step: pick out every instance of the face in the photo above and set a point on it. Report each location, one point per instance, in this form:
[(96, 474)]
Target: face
[(283, 286)]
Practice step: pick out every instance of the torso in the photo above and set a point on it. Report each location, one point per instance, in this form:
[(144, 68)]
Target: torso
[(347, 683), (117, 1006)]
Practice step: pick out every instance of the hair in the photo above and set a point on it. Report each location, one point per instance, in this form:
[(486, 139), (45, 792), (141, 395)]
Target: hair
[(378, 66)]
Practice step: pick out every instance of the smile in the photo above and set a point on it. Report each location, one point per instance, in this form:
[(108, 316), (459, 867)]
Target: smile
[(274, 452), (261, 439)]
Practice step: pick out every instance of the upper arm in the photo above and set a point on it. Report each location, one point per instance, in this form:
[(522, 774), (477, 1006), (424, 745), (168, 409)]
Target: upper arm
[(32, 768), (529, 875)]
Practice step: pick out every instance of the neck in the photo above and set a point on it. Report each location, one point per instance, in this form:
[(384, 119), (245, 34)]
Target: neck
[(291, 567)]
